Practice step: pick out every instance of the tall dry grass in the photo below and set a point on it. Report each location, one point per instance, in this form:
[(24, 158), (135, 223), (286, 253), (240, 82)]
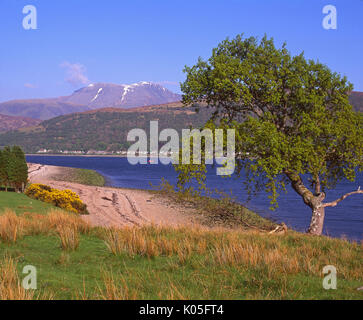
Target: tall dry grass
[(69, 237), (11, 287), (114, 241), (10, 284), (153, 241), (67, 226), (44, 224), (135, 241), (263, 256), (115, 290), (11, 227), (56, 218), (174, 293), (277, 255)]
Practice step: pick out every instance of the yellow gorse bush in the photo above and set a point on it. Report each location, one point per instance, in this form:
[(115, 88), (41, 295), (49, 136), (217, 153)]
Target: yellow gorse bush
[(65, 199)]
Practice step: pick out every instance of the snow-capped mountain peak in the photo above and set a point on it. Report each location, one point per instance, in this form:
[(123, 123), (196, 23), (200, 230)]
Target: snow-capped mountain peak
[(101, 95)]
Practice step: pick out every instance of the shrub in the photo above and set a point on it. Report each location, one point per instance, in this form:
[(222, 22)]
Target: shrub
[(65, 199)]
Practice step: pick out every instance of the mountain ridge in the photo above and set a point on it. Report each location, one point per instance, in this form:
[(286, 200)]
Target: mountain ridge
[(41, 109), (102, 95), (93, 96)]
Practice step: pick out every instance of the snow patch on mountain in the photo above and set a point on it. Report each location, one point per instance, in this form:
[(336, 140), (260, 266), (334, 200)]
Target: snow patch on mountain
[(96, 96), (126, 90)]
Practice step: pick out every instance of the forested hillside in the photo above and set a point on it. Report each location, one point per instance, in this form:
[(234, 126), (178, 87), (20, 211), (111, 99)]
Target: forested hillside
[(8, 123), (105, 129)]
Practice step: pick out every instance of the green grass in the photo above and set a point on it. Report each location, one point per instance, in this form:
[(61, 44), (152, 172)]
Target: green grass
[(201, 265), (66, 275), (81, 176), (20, 203)]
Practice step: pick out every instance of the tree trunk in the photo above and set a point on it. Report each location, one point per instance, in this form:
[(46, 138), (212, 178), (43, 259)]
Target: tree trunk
[(317, 221), (314, 201)]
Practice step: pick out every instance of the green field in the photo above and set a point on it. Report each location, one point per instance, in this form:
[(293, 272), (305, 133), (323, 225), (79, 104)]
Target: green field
[(21, 204), (186, 263)]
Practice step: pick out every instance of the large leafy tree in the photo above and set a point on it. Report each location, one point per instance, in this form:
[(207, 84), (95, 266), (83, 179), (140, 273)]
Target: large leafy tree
[(292, 117)]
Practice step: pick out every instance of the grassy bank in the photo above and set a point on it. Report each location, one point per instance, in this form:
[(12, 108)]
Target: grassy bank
[(216, 212), (82, 176), (75, 261), (20, 203)]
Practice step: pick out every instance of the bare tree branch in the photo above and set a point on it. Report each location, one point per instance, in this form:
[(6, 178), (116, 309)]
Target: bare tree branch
[(335, 203)]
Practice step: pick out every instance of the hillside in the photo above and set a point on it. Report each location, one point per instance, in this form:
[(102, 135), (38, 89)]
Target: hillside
[(8, 123), (39, 108), (104, 129)]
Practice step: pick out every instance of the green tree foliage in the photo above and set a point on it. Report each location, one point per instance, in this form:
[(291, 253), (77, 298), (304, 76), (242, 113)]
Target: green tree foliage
[(13, 168), (292, 117), (3, 168), (20, 176)]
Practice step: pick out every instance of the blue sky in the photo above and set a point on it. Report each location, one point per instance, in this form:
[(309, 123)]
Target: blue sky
[(119, 41)]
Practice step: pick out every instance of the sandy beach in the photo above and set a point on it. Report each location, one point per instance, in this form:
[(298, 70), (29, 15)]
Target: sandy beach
[(114, 206)]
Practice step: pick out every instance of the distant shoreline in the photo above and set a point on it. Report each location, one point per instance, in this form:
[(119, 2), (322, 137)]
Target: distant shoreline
[(87, 155), (77, 155)]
